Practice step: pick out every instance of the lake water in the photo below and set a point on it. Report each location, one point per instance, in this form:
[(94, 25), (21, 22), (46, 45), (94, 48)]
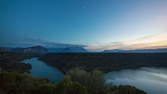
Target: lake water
[(151, 80), (41, 69)]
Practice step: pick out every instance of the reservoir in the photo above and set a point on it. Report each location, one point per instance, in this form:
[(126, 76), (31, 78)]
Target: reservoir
[(151, 80), (41, 69)]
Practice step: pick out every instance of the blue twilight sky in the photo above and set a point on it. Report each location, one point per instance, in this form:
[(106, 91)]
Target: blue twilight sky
[(99, 24)]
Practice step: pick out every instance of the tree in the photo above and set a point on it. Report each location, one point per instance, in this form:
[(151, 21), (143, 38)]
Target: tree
[(68, 87)]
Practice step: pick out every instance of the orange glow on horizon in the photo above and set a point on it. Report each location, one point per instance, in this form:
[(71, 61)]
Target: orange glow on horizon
[(149, 42)]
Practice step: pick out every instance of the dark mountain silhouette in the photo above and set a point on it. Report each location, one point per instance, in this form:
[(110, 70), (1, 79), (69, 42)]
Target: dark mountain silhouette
[(67, 49), (160, 50), (43, 50), (32, 50)]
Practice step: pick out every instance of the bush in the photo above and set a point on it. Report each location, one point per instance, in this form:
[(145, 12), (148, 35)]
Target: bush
[(95, 84), (69, 87), (77, 81)]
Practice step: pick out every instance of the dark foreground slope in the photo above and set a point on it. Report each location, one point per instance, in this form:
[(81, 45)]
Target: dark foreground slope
[(104, 61)]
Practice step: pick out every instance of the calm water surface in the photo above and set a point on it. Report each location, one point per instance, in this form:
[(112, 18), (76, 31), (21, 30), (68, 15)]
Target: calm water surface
[(41, 69), (151, 80)]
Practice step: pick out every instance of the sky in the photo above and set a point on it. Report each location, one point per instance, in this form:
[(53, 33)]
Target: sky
[(93, 24)]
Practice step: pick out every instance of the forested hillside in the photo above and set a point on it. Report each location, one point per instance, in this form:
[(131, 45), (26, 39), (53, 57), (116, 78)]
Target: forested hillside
[(104, 61)]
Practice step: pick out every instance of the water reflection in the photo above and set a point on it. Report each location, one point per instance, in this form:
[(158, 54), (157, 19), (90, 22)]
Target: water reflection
[(151, 80), (41, 69)]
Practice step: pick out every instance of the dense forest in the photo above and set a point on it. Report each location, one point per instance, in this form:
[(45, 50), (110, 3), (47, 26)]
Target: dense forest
[(75, 82), (15, 79), (105, 62), (12, 61)]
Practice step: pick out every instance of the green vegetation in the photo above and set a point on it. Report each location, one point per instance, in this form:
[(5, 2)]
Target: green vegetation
[(95, 83), (76, 81), (15, 80), (12, 61), (18, 83), (105, 62)]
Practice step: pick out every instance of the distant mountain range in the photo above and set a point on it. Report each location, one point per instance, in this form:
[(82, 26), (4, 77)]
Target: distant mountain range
[(42, 50), (34, 50), (160, 50), (68, 49)]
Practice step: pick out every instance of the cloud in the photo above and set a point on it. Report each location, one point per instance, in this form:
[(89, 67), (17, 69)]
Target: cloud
[(153, 41), (50, 44)]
